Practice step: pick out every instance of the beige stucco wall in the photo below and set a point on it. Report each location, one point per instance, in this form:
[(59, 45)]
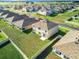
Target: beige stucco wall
[(52, 31), (42, 13), (47, 34)]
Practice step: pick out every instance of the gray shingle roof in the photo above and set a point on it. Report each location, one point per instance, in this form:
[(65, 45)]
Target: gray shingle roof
[(24, 21)]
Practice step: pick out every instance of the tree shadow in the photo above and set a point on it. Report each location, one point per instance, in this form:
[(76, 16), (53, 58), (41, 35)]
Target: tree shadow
[(28, 31)]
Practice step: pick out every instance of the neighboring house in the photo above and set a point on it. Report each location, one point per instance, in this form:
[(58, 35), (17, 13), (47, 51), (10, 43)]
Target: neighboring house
[(45, 29), (30, 9), (36, 7), (68, 46), (17, 7), (14, 18), (45, 12), (1, 8), (27, 9), (10, 14), (3, 14), (0, 14), (24, 9), (25, 22)]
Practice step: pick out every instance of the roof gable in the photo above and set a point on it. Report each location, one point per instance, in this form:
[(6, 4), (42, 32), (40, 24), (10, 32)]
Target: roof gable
[(45, 24), (19, 23), (10, 14)]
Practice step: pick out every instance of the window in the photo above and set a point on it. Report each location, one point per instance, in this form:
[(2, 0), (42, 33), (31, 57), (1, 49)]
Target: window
[(44, 35), (58, 52), (33, 25), (45, 31), (23, 28), (39, 28)]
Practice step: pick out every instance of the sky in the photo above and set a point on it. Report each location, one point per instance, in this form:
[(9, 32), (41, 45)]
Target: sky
[(39, 0)]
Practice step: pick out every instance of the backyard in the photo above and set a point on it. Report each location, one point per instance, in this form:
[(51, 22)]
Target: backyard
[(28, 43)]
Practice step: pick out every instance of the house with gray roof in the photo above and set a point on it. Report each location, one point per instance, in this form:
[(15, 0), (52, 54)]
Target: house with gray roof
[(4, 13), (24, 22), (44, 11), (10, 14), (12, 17), (45, 29)]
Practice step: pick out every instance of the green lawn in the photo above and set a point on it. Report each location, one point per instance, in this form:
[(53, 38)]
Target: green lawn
[(9, 52), (28, 43), (74, 22), (64, 29), (2, 36), (51, 2), (11, 3)]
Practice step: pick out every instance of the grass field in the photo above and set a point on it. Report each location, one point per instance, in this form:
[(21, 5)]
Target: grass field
[(28, 43), (9, 52), (2, 36), (11, 3)]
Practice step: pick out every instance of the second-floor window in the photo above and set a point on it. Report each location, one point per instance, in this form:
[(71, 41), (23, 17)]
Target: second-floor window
[(39, 28)]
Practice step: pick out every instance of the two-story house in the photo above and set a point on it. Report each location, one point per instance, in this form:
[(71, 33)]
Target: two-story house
[(24, 22), (45, 29), (44, 11)]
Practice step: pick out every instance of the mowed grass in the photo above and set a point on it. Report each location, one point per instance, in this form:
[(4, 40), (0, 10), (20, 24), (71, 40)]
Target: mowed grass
[(2, 36), (28, 43), (11, 3), (19, 3), (9, 52)]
